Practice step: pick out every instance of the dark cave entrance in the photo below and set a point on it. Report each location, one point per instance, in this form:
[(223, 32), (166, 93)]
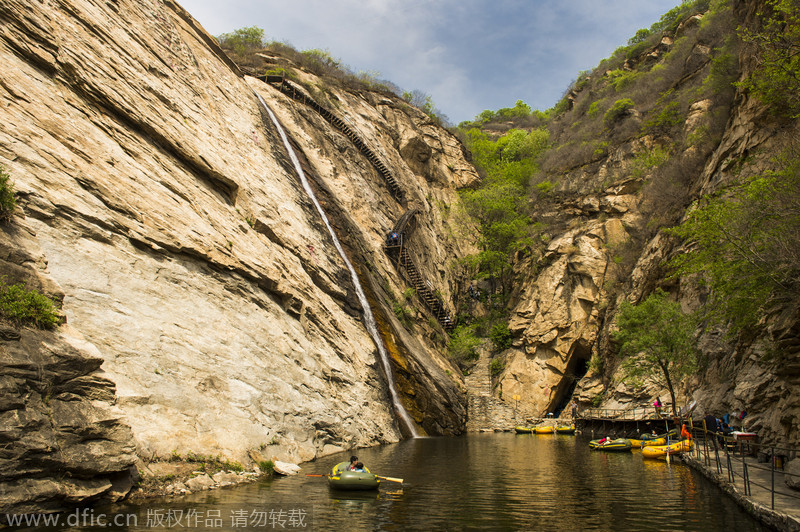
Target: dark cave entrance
[(577, 367)]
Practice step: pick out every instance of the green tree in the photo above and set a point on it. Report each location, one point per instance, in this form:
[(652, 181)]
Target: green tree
[(656, 341), (617, 111), (498, 206), (745, 243), (320, 60), (243, 39), (496, 367), (503, 229), (501, 336)]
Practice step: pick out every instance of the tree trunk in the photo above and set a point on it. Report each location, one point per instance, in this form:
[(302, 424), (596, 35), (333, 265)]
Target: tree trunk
[(665, 369)]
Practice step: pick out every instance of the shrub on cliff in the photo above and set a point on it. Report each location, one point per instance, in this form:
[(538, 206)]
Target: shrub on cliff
[(496, 367), (463, 347), (618, 111), (242, 40), (8, 200), (501, 336), (27, 307)]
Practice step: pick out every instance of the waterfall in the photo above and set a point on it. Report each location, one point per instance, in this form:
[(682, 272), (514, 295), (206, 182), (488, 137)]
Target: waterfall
[(369, 318)]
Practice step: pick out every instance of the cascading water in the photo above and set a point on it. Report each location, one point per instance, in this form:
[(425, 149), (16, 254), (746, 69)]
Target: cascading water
[(369, 318)]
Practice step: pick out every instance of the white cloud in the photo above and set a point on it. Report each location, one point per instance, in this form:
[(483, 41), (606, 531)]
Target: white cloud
[(469, 55)]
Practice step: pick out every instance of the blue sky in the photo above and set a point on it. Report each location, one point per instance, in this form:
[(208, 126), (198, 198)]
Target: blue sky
[(468, 55)]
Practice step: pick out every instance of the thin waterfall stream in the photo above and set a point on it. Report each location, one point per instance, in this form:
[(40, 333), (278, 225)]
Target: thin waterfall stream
[(369, 318)]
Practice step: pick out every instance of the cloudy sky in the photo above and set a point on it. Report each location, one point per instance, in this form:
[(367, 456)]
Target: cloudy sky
[(468, 55)]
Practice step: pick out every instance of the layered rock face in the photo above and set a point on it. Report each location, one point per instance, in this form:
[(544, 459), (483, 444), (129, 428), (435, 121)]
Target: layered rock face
[(191, 262), (63, 440)]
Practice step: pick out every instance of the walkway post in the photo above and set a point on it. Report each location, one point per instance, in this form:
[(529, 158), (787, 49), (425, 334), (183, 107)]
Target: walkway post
[(745, 475), (772, 459)]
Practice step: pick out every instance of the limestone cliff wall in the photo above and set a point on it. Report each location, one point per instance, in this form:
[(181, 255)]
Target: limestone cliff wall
[(172, 227)]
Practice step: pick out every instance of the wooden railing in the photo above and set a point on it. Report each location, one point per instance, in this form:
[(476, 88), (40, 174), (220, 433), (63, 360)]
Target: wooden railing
[(626, 414)]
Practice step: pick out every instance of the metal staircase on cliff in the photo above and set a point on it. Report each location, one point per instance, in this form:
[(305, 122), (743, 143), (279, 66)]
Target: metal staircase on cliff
[(291, 90), (396, 250)]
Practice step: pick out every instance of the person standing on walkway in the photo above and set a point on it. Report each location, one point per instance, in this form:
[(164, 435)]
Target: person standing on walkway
[(574, 410), (657, 404)]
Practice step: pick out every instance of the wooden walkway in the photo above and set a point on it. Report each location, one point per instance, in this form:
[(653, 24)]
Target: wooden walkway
[(747, 471), (758, 486)]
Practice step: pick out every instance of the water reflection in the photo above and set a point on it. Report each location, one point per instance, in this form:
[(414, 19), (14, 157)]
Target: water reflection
[(497, 482)]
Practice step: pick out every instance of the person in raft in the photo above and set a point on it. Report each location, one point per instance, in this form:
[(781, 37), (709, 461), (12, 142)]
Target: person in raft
[(353, 463), (359, 467)]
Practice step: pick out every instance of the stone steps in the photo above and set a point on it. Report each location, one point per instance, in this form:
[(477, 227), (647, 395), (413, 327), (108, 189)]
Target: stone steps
[(485, 412)]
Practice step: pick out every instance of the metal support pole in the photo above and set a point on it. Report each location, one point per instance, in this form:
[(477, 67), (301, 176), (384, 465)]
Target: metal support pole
[(729, 465), (746, 475), (772, 489)]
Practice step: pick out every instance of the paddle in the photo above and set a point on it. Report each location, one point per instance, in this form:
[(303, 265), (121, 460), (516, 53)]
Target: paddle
[(390, 479)]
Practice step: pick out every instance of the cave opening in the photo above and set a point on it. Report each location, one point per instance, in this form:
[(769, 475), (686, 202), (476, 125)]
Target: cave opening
[(577, 367)]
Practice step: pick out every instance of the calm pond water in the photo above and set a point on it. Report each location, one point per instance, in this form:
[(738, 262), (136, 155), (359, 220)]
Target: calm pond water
[(481, 482)]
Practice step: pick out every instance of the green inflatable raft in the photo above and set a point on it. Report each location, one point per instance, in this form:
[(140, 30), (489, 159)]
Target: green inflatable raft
[(619, 445), (343, 479)]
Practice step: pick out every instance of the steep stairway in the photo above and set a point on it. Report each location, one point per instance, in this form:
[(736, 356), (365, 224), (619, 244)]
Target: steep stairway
[(397, 251), (423, 290), (292, 91)]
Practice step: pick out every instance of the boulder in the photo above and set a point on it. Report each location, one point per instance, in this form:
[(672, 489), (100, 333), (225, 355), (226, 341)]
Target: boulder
[(200, 482), (226, 478), (285, 468), (792, 474)]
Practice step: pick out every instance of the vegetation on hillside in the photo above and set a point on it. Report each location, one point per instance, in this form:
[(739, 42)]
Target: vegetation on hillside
[(745, 240), (499, 206), (776, 47), (745, 244), (645, 90), (249, 48)]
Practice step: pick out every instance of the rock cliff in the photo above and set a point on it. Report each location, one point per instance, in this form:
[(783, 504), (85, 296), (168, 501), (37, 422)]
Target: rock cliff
[(206, 307), (603, 251)]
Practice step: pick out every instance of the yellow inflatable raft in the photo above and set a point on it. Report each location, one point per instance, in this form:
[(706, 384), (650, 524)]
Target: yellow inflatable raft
[(653, 443), (660, 451)]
